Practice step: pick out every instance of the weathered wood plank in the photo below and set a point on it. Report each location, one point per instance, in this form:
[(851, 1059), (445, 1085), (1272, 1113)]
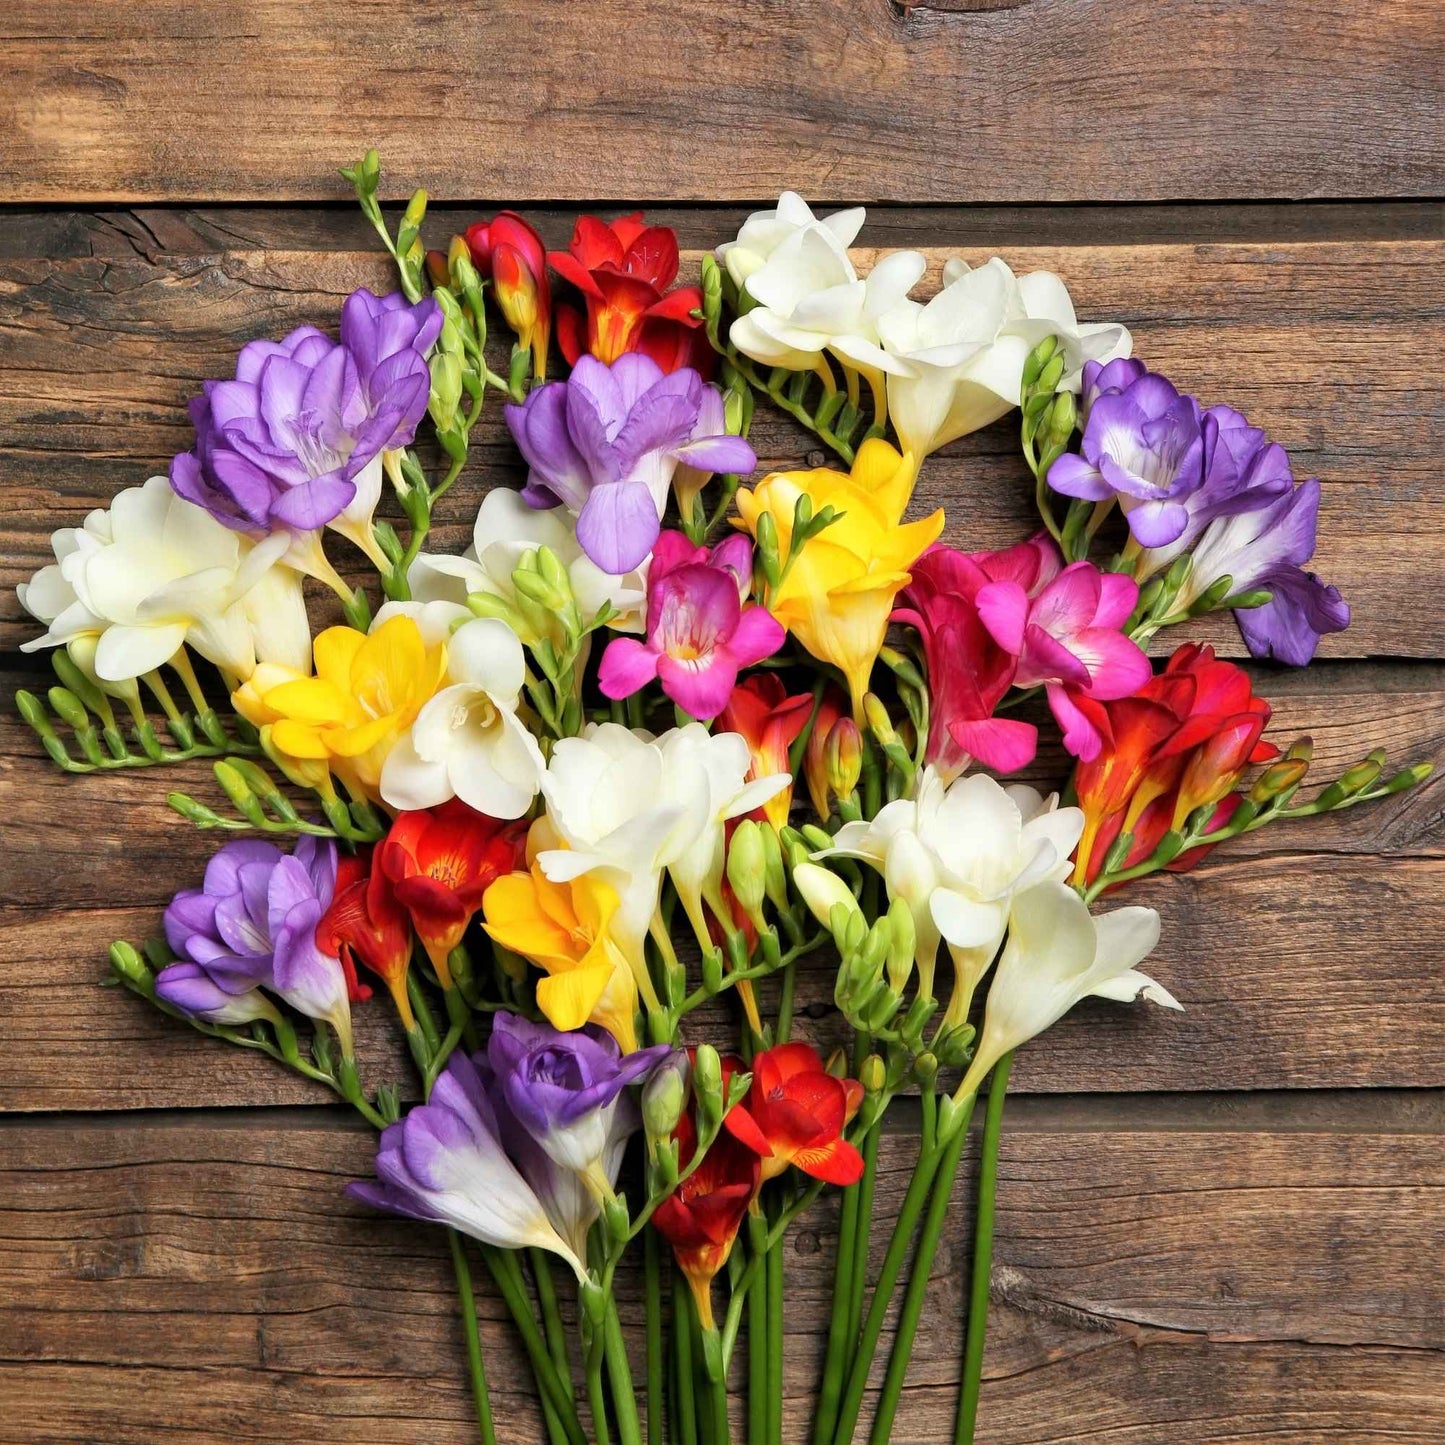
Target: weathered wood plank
[(691, 101), (1329, 346), (1302, 973), (1160, 1285)]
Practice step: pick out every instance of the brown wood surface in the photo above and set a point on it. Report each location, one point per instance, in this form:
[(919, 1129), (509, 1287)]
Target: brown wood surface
[(1214, 1228), (945, 100), (1137, 1286)]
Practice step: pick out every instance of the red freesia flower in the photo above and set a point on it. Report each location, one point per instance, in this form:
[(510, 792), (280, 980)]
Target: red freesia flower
[(968, 671), (365, 924), (701, 1217), (769, 721), (507, 249), (795, 1113), (623, 269), (1181, 743), (440, 862)]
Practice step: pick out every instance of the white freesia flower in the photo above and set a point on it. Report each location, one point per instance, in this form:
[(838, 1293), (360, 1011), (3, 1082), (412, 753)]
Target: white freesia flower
[(615, 808), (810, 300), (467, 741), (722, 759), (959, 359), (764, 231), (154, 573), (1058, 953), (957, 856), (506, 528)]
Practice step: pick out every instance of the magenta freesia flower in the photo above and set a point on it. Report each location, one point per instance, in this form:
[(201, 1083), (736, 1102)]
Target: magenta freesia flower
[(968, 672), (700, 632), (1065, 633), (606, 442)]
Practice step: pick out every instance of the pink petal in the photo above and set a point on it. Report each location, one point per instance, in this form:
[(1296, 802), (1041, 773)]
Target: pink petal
[(1045, 659), (1003, 744), (1003, 608), (671, 550), (702, 687), (1118, 597), (758, 635), (1081, 737), (1117, 667), (626, 666), (1070, 601)]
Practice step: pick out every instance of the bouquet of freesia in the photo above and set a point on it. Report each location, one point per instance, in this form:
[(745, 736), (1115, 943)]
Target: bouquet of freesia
[(584, 796)]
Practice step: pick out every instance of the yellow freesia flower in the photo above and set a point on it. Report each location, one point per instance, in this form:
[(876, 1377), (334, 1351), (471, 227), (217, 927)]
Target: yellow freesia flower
[(367, 691), (564, 929), (836, 597)]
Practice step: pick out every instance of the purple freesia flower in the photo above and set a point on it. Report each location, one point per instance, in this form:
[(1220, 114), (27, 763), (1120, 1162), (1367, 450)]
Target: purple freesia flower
[(1107, 378), (252, 924), (699, 632), (1249, 522), (606, 443), (1143, 443), (189, 988), (565, 1089), (446, 1162), (287, 441)]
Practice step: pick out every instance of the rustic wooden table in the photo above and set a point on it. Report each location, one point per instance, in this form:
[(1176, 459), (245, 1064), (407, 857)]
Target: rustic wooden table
[(1224, 1226)]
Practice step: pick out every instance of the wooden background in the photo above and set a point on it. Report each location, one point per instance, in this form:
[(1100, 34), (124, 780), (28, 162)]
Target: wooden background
[(1224, 1226)]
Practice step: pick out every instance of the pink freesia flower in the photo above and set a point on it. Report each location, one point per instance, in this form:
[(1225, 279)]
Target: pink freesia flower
[(968, 671), (700, 632), (769, 721), (1066, 638)]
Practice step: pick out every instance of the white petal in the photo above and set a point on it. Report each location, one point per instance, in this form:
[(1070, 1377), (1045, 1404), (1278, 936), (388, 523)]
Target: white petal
[(128, 652), (409, 783), (487, 653)]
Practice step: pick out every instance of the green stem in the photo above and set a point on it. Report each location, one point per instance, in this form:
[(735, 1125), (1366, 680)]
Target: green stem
[(652, 1282), (835, 1362), (775, 1342), (619, 1375), (858, 1285), (596, 1396), (556, 1336), (474, 1341), (918, 1282), (982, 1257), (757, 1337), (507, 1273), (682, 1334), (913, 1202)]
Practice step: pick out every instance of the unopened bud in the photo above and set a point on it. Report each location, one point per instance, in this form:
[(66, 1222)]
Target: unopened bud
[(1062, 416), (1301, 748), (1211, 597), (664, 1096), (745, 865), (1036, 360), (766, 536), (707, 1088), (775, 875), (843, 757), (1280, 777), (436, 268), (1359, 777), (925, 1067), (617, 1219), (837, 1064), (1410, 777), (873, 1075), (879, 723), (129, 967), (903, 943)]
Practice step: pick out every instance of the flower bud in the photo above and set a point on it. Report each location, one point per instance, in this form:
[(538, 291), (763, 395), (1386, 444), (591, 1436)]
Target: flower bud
[(436, 269), (664, 1096), (843, 757), (903, 943), (775, 875), (823, 891), (1036, 360), (1359, 777), (446, 388), (1279, 778), (707, 1089), (879, 723), (1301, 748), (873, 1075), (745, 864), (766, 537), (130, 968), (1410, 777), (617, 1219), (925, 1068), (712, 971), (837, 1064)]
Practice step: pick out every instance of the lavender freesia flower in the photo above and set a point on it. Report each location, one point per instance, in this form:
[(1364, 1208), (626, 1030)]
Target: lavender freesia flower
[(189, 988), (1107, 378), (252, 924), (294, 441), (606, 442), (565, 1089), (1249, 522), (1144, 444), (446, 1162)]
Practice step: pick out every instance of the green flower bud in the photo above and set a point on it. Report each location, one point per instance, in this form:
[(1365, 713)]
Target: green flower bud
[(1211, 597), (1410, 777), (775, 875), (616, 1219), (903, 943), (925, 1067), (766, 537), (446, 388), (879, 723), (712, 971), (873, 1075), (1359, 777), (1279, 778), (1062, 416), (664, 1096), (745, 865), (843, 757), (1035, 361), (707, 1089), (130, 968), (1302, 748)]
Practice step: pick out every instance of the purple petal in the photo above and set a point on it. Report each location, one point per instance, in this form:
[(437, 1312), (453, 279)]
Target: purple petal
[(313, 504), (1072, 476), (618, 525), (1156, 524)]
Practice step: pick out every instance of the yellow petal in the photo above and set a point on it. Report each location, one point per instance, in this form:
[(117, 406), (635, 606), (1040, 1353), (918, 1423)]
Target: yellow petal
[(298, 740), (335, 650), (351, 742), (568, 998), (312, 700)]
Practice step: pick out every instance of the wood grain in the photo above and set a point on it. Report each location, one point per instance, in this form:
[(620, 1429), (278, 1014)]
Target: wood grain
[(945, 100), (1330, 346), (1138, 1289)]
